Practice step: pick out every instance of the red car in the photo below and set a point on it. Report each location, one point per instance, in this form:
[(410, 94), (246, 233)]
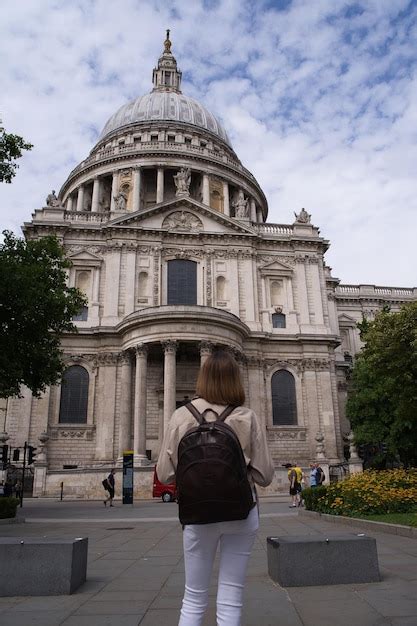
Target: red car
[(168, 493)]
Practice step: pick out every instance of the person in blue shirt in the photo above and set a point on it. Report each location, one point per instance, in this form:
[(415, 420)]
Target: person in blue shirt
[(313, 474)]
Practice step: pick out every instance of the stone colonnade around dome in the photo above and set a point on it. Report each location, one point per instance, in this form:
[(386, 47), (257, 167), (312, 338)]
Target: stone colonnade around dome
[(133, 189)]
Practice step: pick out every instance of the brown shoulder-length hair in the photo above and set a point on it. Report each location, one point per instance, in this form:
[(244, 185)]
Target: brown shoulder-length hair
[(219, 380)]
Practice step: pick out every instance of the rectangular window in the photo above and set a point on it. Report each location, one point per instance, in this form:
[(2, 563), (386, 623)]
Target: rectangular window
[(182, 282), (278, 320)]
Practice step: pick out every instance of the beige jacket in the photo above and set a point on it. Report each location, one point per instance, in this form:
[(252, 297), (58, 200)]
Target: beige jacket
[(247, 427)]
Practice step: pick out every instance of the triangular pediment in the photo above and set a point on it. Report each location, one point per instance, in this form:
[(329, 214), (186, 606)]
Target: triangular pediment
[(181, 215), (277, 268), (84, 255), (347, 319)]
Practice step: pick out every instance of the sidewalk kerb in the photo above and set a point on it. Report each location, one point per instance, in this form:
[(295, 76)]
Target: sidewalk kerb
[(382, 527)]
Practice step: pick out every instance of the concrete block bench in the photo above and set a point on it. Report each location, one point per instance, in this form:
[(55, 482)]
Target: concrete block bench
[(40, 567), (298, 561)]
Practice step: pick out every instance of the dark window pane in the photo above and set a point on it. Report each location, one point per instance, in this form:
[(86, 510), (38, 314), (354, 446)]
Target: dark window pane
[(74, 396), (284, 406), (182, 282), (278, 320)]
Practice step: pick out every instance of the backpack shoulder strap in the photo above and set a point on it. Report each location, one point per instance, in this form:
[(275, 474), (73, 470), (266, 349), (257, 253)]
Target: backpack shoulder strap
[(200, 418), (226, 412)]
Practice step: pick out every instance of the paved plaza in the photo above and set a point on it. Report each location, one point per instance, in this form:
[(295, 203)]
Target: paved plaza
[(136, 572)]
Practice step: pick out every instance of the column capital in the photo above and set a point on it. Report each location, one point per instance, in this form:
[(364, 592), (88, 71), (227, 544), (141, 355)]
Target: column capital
[(206, 347), (125, 357), (141, 350), (170, 346)]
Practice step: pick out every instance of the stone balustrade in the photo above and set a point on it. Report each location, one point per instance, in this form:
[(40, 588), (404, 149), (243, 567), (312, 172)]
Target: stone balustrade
[(372, 290), (273, 229), (158, 146)]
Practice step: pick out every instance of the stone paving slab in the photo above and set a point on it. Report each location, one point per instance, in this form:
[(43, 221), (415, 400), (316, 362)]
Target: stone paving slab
[(136, 577)]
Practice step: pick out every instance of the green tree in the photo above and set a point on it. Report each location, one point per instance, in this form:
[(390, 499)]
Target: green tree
[(382, 399), (36, 307), (11, 147)]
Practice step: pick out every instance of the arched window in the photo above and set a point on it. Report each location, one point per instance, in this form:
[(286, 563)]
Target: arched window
[(284, 406), (220, 287), (74, 396), (182, 282), (278, 320)]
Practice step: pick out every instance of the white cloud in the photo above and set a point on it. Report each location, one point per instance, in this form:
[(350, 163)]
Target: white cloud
[(319, 100)]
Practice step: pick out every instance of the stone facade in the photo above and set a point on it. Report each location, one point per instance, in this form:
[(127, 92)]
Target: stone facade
[(163, 184)]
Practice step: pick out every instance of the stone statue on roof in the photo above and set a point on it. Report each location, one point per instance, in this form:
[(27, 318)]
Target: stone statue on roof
[(241, 205), (303, 217), (182, 182), (52, 200)]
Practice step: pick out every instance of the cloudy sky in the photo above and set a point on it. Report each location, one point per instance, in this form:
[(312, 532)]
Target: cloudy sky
[(319, 98)]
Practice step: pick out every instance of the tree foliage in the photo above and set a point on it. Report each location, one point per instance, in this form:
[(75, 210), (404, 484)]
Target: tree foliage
[(11, 147), (36, 307), (382, 399)]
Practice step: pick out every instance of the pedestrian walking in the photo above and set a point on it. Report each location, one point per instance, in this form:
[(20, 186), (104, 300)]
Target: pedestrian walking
[(295, 475), (214, 514), (313, 475), (108, 484), (320, 476), (18, 489)]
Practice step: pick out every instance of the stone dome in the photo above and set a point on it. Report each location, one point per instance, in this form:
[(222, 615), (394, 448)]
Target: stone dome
[(169, 106), (165, 103)]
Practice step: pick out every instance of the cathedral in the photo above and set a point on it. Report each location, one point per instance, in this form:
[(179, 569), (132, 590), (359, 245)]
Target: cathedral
[(168, 237)]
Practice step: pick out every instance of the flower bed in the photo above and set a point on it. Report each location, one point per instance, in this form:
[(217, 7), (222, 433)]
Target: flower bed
[(371, 492)]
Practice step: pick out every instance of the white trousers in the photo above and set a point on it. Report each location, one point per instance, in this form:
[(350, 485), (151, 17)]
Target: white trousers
[(236, 540)]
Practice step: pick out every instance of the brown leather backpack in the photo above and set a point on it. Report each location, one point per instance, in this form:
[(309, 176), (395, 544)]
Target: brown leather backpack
[(212, 477)]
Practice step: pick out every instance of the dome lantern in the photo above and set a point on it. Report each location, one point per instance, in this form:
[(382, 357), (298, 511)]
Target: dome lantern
[(167, 77)]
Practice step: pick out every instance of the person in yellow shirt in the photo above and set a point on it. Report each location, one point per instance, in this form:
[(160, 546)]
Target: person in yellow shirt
[(295, 476)]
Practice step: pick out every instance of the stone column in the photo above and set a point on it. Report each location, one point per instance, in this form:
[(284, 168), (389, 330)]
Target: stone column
[(160, 185), (252, 210), (69, 203), (96, 195), (170, 349), (259, 215), (114, 188), (125, 435), (80, 198), (136, 189), (206, 190), (206, 348), (226, 204), (139, 425), (105, 402)]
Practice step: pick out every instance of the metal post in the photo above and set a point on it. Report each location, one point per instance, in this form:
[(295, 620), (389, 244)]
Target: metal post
[(23, 473), (62, 491)]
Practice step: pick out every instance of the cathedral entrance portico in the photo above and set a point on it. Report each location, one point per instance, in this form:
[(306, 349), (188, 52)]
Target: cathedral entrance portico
[(165, 375)]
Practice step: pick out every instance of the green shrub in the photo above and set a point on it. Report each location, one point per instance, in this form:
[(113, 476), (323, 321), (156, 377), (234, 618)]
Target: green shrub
[(8, 507), (311, 497)]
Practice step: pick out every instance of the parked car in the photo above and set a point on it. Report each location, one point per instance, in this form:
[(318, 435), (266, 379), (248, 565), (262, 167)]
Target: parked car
[(168, 493)]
